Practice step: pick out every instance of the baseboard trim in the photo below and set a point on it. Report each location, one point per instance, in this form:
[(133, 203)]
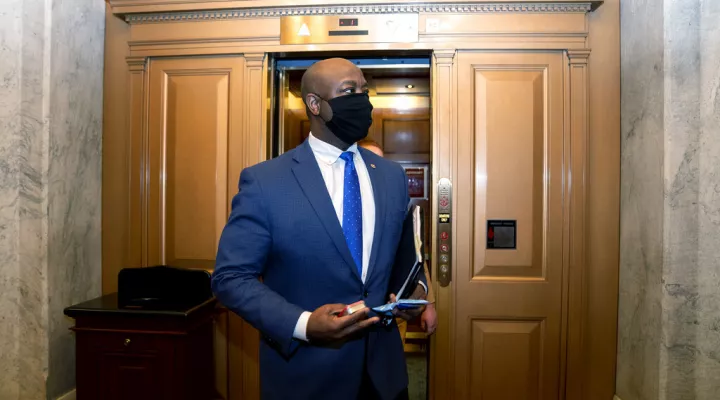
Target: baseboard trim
[(71, 395)]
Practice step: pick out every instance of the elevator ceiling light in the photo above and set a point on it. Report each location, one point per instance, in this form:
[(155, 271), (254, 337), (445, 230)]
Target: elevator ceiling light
[(409, 86)]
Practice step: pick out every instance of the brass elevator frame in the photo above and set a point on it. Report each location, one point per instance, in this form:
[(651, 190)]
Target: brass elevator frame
[(584, 33)]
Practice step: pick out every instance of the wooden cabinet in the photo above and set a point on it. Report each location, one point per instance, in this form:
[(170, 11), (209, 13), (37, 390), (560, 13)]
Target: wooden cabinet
[(136, 355)]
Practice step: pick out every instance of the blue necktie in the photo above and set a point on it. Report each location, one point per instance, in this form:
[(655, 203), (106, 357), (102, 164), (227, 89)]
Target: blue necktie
[(352, 211)]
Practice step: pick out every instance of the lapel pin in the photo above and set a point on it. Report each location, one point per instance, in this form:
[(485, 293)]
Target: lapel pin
[(372, 165)]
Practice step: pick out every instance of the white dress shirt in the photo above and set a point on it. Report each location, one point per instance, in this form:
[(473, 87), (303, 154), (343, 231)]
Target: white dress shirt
[(332, 168)]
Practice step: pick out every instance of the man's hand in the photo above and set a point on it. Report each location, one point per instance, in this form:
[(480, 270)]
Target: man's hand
[(418, 294), (325, 326), (428, 319)]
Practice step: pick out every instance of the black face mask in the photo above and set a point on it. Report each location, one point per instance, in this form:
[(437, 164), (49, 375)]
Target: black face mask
[(352, 117)]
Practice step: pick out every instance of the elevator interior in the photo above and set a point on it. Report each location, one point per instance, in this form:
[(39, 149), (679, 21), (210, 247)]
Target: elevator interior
[(399, 89)]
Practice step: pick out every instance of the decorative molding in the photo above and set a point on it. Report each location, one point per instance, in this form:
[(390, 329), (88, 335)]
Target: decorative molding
[(616, 397), (254, 59), (578, 56), (439, 8), (530, 35), (136, 63), (195, 41), (444, 56)]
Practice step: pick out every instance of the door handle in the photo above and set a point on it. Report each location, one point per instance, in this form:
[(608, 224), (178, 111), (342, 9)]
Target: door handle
[(444, 231)]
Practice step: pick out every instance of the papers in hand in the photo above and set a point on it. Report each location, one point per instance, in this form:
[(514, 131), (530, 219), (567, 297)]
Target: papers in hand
[(409, 258), (403, 304), (407, 267), (417, 241)]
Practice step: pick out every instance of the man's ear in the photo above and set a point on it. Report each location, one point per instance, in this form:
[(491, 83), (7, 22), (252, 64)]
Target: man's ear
[(313, 103)]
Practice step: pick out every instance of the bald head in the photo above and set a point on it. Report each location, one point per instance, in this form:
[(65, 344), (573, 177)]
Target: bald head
[(327, 79), (335, 95), (371, 145)]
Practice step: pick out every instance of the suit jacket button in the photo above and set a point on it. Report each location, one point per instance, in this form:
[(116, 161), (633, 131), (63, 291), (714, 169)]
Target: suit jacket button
[(365, 294)]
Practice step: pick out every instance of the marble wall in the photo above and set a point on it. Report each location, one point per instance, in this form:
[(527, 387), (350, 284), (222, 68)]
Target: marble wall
[(51, 69), (669, 317), (642, 200)]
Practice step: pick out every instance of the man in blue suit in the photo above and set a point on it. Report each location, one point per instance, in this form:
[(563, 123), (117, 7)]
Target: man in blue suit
[(320, 225)]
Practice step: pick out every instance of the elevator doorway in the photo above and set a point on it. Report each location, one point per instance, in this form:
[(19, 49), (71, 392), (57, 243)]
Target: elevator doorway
[(498, 228), (399, 89)]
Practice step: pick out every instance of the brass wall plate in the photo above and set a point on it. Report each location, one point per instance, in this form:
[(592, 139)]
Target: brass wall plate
[(444, 232), (373, 28)]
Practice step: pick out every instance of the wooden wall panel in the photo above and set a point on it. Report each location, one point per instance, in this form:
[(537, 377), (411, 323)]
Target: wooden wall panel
[(506, 359), (404, 134), (510, 139), (510, 125), (192, 115)]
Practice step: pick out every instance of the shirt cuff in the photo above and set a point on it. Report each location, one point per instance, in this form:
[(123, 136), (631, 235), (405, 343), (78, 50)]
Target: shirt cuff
[(424, 287), (300, 332)]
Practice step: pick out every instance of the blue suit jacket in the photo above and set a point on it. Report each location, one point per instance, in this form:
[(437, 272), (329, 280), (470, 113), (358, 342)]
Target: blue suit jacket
[(284, 229)]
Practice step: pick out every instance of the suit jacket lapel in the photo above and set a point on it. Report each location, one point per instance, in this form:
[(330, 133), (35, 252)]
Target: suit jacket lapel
[(377, 180), (308, 174)]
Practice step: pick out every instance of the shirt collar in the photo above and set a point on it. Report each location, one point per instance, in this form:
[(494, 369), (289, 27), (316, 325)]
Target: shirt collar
[(326, 152)]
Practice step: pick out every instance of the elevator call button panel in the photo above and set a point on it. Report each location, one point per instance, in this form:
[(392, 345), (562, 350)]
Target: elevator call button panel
[(444, 231)]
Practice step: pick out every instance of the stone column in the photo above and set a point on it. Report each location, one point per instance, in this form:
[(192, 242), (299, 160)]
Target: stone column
[(669, 319), (51, 68)]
